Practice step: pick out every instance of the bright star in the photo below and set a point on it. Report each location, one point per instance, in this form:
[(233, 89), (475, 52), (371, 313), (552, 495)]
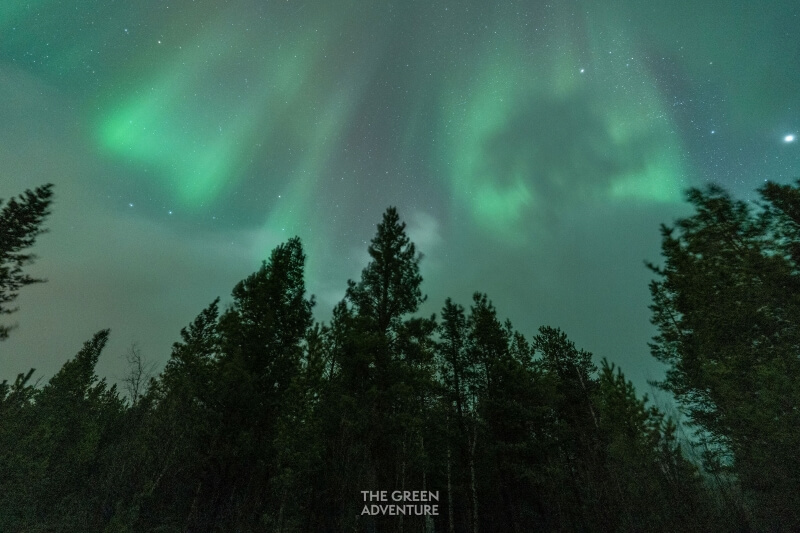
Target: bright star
[(789, 138)]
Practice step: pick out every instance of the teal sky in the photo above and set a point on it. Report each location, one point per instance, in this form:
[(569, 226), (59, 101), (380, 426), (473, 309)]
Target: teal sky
[(533, 148)]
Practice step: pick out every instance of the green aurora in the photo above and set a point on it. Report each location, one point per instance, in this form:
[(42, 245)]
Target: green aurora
[(532, 147)]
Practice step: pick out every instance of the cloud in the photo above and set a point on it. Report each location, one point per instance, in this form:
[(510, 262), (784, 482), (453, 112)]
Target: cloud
[(424, 231)]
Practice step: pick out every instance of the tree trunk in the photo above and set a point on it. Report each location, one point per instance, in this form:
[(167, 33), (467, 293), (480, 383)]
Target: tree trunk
[(450, 525), (475, 523), (402, 482)]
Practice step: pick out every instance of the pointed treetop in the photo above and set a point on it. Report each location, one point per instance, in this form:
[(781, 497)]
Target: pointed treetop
[(390, 284)]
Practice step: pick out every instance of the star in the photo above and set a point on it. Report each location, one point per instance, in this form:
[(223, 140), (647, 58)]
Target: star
[(789, 138)]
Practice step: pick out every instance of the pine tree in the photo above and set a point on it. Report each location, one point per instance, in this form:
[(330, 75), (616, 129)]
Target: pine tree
[(382, 367), (653, 486), (172, 462), (263, 335), (225, 431), (577, 469), (77, 412), (390, 284), (23, 458), (20, 224), (726, 304)]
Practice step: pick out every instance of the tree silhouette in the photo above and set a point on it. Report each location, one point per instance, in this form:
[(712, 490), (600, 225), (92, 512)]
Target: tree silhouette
[(726, 304), (20, 223)]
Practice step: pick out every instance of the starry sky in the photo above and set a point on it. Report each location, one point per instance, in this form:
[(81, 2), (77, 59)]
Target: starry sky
[(532, 147)]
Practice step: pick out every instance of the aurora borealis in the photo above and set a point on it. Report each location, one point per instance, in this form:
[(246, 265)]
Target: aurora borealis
[(533, 148)]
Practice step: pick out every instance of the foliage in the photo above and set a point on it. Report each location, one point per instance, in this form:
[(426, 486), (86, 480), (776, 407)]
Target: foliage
[(726, 304), (263, 420), (20, 223)]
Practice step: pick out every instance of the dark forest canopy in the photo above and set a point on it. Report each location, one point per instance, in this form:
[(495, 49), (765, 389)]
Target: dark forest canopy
[(264, 420)]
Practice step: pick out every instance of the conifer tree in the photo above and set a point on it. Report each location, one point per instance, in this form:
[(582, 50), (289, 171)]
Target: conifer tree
[(76, 414), (262, 422), (20, 224), (385, 365), (726, 304), (262, 342), (390, 285), (652, 485)]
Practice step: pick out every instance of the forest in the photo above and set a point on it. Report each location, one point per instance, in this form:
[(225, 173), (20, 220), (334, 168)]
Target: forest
[(265, 420)]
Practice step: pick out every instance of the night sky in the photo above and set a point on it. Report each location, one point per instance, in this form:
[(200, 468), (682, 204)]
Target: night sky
[(533, 149)]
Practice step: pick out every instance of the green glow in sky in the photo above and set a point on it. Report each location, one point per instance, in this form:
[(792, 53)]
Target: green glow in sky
[(519, 134), (574, 123), (196, 142)]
